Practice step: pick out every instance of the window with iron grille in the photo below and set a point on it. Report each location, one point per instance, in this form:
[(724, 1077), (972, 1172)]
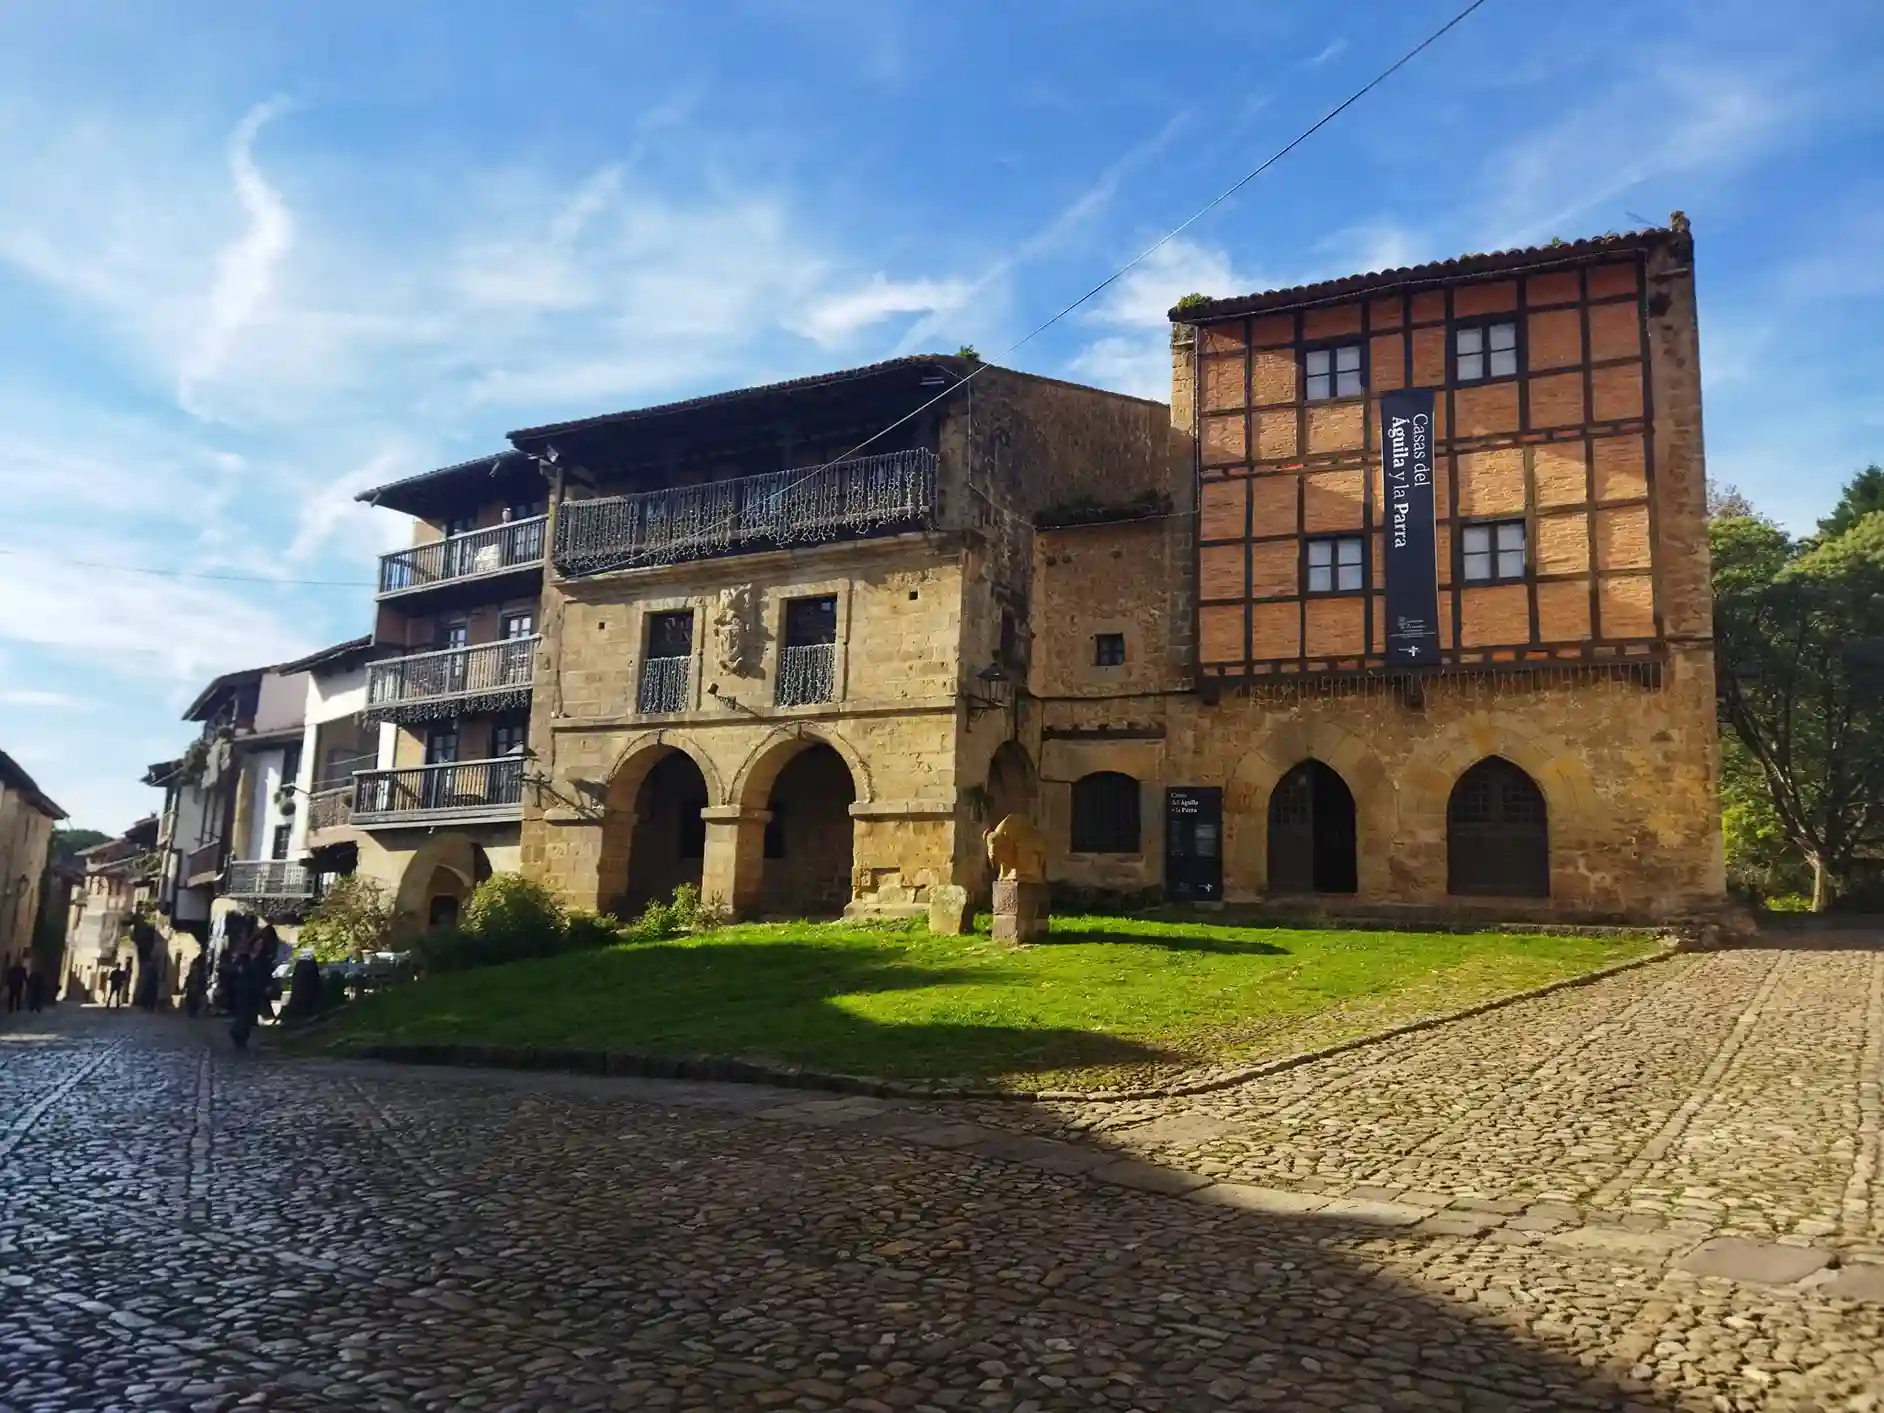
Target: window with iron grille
[(278, 846), (1486, 350), (1108, 649), (1105, 814), (807, 662), (669, 661), (1493, 553), (1337, 564), (1332, 372)]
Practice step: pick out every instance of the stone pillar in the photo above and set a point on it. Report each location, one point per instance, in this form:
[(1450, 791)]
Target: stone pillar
[(735, 858)]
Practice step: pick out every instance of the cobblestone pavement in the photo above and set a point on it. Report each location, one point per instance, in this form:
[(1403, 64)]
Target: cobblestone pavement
[(185, 1229)]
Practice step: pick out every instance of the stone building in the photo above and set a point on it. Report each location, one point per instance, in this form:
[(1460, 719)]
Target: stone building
[(27, 819), (1556, 752), (787, 667)]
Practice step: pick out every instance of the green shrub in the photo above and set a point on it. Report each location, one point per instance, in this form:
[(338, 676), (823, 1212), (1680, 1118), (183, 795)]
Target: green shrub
[(352, 919), (681, 913), (586, 932), (516, 917)]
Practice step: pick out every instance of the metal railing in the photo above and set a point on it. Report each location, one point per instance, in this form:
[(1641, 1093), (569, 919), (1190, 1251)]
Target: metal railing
[(202, 862), (865, 495), (462, 789), (516, 545), (269, 878), (500, 670), (807, 674), (329, 809), (664, 683)]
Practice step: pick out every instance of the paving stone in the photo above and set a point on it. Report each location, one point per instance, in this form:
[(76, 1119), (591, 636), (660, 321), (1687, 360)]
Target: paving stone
[(1372, 1213), (1767, 1262), (1654, 1247), (1148, 1177), (1259, 1199), (1858, 1281)]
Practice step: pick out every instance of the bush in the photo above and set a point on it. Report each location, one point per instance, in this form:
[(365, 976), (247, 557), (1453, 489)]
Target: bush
[(681, 913), (352, 919), (516, 917), (588, 932)]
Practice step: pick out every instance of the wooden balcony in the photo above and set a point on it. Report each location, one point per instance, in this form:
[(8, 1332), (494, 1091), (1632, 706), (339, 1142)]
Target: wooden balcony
[(452, 682), (868, 495), (462, 792), (269, 879), (204, 865), (479, 555)]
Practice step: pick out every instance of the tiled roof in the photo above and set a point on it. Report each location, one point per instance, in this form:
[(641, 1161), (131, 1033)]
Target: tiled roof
[(1461, 267), (442, 473), (15, 778), (221, 684), (338, 654), (952, 364)]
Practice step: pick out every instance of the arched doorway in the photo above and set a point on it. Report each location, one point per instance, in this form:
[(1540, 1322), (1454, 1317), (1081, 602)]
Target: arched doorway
[(1311, 832), (1013, 783), (1497, 833), (669, 839), (438, 881), (808, 839)]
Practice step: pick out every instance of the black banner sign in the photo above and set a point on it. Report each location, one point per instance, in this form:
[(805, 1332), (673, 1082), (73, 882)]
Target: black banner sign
[(1406, 464)]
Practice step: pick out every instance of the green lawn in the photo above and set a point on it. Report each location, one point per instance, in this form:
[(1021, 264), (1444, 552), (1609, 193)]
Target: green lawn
[(1107, 1001)]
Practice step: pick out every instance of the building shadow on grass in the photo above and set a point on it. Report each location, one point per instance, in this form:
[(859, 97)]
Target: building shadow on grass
[(1171, 942), (794, 1004)]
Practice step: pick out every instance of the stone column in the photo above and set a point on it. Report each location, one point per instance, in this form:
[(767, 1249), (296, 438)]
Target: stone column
[(734, 864)]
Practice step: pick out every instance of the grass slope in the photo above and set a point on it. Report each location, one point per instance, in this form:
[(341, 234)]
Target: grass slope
[(1107, 1001)]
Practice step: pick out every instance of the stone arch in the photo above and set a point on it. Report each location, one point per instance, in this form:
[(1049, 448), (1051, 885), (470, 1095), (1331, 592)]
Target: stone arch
[(1569, 792), (447, 864), (642, 753), (631, 822), (1013, 785), (1246, 804), (752, 783)]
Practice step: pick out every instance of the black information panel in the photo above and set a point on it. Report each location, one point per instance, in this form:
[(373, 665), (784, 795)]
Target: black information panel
[(1406, 468), (1193, 843)]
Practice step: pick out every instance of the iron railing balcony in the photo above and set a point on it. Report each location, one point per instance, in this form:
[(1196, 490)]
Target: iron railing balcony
[(329, 808), (478, 554), (452, 681), (867, 495), (807, 674), (462, 792), (269, 878), (664, 683)]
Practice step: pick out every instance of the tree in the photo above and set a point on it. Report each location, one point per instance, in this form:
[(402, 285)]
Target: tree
[(1864, 495), (69, 843), (1798, 625)]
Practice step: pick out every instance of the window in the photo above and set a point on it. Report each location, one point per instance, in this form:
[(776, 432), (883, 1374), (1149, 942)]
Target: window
[(1485, 351), (441, 745), (1105, 814), (1333, 372), (1108, 649), (670, 634), (1337, 565), (525, 509), (461, 524), (509, 736), (520, 624), (1493, 554), (278, 845), (810, 622), (454, 634)]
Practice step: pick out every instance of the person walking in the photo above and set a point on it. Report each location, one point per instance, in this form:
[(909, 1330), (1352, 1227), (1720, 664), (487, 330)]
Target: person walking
[(248, 992), (116, 984), (16, 984), (36, 990), (195, 987)]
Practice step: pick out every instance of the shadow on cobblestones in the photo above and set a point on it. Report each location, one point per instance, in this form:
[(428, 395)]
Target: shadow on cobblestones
[(371, 1239)]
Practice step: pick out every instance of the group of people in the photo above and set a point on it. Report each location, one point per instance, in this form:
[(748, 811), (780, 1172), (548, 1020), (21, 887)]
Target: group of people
[(26, 986)]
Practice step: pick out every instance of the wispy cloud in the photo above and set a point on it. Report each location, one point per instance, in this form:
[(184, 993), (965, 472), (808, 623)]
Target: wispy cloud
[(842, 315), (1133, 355), (31, 697), (245, 269), (1332, 50)]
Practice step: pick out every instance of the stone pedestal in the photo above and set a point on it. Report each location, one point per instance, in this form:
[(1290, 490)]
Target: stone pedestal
[(948, 910), (1020, 910)]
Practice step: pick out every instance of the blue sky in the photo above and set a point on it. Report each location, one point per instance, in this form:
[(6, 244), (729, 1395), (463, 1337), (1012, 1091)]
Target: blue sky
[(256, 258)]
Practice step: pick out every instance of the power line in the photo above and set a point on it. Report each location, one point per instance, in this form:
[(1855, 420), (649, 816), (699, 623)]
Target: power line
[(1326, 118), (190, 573)]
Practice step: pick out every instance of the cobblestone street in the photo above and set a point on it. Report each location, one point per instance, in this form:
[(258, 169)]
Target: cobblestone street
[(1660, 1191)]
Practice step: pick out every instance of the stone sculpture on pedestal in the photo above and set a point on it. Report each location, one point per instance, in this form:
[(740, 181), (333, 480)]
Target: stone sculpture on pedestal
[(1019, 856)]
